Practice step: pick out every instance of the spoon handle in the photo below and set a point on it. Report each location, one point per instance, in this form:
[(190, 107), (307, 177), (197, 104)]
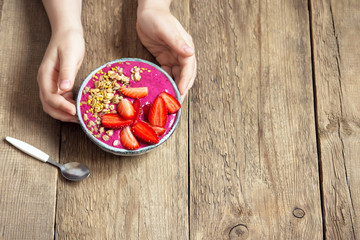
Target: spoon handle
[(27, 148)]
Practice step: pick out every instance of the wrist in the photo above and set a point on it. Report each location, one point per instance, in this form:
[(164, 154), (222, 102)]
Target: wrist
[(62, 17), (153, 5), (67, 28)]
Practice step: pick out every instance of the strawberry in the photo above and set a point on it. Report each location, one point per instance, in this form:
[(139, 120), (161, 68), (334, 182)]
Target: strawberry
[(128, 140), (159, 130), (114, 121), (138, 110), (144, 132), (146, 109), (158, 113), (139, 92), (172, 104), (126, 109)]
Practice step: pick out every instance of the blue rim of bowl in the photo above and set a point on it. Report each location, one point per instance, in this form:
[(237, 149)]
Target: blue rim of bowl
[(119, 151)]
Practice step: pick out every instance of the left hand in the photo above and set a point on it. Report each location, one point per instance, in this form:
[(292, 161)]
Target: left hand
[(163, 35)]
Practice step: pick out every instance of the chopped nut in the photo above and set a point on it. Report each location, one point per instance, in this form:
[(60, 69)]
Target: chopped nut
[(116, 86), (109, 95), (94, 90), (96, 84), (116, 142), (112, 107), (85, 117), (110, 132), (86, 90), (105, 137), (101, 130), (90, 124), (137, 76), (116, 99)]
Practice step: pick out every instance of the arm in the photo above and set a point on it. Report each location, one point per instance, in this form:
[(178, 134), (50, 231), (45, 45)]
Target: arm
[(62, 59), (163, 35)]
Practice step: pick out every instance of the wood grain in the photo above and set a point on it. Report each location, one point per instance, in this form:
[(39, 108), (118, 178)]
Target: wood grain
[(253, 158), (336, 27), (144, 197), (27, 186)]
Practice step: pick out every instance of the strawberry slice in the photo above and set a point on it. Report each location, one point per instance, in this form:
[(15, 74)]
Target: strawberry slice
[(114, 121), (144, 132), (146, 109), (158, 130), (172, 104), (128, 140), (158, 113), (126, 109), (137, 108), (139, 92)]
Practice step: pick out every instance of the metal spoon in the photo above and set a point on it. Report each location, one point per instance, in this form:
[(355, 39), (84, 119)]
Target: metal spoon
[(72, 171)]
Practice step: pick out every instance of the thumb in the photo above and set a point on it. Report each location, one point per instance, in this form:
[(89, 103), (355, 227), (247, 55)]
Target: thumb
[(173, 37), (68, 68)]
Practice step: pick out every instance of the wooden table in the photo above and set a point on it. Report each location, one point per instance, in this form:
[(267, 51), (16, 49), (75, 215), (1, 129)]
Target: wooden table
[(268, 146)]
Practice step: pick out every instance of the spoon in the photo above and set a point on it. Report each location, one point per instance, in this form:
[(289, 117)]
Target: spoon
[(72, 171)]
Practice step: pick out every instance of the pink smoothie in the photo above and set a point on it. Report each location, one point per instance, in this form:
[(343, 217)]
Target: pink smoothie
[(152, 78)]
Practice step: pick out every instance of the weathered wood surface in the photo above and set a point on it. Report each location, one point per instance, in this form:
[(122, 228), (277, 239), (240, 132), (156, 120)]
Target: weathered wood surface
[(253, 158), (256, 156), (336, 29), (27, 186), (143, 197)]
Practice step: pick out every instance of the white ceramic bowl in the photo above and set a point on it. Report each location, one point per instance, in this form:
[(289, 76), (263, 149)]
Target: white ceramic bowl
[(120, 151)]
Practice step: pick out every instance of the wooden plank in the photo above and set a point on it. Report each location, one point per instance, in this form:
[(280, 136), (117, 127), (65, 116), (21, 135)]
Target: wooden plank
[(27, 186), (144, 197), (336, 26), (253, 159)]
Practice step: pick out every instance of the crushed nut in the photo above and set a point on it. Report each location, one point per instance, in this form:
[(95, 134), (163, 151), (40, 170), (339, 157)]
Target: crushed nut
[(90, 124), (85, 117), (110, 132), (105, 137), (116, 142)]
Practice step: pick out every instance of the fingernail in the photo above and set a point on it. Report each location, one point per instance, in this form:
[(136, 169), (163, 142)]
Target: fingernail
[(188, 49), (65, 84)]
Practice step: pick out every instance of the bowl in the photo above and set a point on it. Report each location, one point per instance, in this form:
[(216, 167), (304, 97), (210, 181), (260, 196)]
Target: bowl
[(160, 81)]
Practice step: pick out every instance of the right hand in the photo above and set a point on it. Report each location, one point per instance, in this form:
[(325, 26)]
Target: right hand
[(57, 73)]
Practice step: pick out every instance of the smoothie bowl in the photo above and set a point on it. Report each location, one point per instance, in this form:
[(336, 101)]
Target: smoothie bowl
[(128, 106)]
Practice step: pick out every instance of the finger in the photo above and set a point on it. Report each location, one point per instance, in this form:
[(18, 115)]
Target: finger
[(176, 72), (62, 116), (58, 102), (69, 96), (191, 83), (67, 69), (187, 73), (167, 69), (187, 37), (47, 77), (174, 39), (167, 58)]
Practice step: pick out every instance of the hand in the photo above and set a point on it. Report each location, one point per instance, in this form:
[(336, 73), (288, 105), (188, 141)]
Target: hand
[(57, 72), (163, 35)]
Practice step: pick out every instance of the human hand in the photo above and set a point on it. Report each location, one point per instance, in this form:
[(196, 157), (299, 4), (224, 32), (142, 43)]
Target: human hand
[(163, 35), (57, 72)]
